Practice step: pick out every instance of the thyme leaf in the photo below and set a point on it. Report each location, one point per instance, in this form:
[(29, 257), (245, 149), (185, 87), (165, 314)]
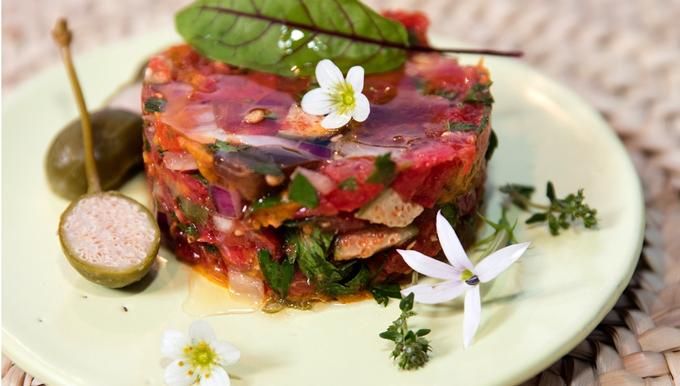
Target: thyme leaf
[(560, 214), (411, 348)]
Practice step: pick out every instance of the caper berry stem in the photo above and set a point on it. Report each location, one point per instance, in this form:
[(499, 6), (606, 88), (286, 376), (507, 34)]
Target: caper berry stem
[(62, 36)]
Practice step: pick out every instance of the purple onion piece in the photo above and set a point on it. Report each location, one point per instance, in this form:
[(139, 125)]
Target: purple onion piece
[(228, 202), (321, 151)]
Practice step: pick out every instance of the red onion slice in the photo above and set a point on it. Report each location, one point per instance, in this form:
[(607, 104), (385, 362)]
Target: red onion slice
[(321, 151), (222, 224), (227, 202)]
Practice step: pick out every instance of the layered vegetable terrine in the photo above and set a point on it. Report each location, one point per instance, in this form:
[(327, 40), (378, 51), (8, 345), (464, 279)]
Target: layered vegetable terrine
[(254, 191)]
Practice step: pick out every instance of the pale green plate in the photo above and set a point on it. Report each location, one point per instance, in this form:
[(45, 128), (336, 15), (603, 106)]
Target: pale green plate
[(66, 331)]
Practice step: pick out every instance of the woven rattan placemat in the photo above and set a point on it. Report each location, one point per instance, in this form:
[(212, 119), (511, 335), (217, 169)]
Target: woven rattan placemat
[(622, 56)]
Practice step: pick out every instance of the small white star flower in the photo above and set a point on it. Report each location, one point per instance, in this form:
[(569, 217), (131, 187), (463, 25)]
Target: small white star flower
[(459, 276), (197, 359), (339, 99)]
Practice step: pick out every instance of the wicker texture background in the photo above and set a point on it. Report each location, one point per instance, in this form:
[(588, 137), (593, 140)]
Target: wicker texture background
[(621, 55)]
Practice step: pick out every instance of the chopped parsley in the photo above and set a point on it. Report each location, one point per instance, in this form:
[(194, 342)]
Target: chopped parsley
[(385, 170), (302, 191), (383, 292), (211, 248), (278, 275), (493, 144), (225, 147), (265, 202), (479, 93), (310, 251), (461, 126), (190, 230), (155, 105), (350, 184), (450, 213), (194, 212)]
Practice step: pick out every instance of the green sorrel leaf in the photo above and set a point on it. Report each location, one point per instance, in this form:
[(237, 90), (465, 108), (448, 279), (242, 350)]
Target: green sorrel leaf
[(288, 37)]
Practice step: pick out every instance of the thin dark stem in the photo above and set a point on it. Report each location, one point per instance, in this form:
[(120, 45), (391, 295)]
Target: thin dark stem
[(62, 37), (359, 38)]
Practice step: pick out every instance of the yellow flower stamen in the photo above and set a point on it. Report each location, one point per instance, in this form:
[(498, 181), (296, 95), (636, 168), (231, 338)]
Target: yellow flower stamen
[(469, 277), (343, 98), (202, 356)]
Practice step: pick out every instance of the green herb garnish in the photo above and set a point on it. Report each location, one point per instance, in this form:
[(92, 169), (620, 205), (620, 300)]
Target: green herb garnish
[(560, 214), (503, 234), (193, 211), (411, 349), (155, 105), (350, 184), (190, 230), (277, 275), (351, 283), (302, 191), (383, 292), (385, 170), (479, 93), (310, 251), (461, 126), (493, 144), (288, 37), (211, 248), (265, 202), (200, 178), (450, 213), (225, 147)]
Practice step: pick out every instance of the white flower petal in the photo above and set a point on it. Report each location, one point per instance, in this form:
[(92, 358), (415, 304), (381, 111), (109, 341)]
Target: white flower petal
[(201, 330), (438, 293), (176, 375), (355, 77), (451, 245), (217, 377), (427, 265), (316, 102), (335, 120), (472, 316), (499, 261), (228, 353), (328, 75), (173, 344), (362, 107)]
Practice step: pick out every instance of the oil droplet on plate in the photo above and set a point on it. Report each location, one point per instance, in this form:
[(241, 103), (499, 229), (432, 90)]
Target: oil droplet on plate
[(207, 298)]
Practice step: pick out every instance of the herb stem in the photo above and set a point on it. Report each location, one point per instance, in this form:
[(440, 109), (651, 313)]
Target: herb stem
[(528, 202), (62, 36)]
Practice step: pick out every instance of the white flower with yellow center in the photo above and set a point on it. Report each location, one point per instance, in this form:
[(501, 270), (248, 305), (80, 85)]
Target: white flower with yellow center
[(197, 359), (459, 276), (339, 99)]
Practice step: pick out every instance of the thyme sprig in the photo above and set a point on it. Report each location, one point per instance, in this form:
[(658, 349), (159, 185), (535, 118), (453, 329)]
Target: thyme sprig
[(411, 349), (503, 234), (560, 214)]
